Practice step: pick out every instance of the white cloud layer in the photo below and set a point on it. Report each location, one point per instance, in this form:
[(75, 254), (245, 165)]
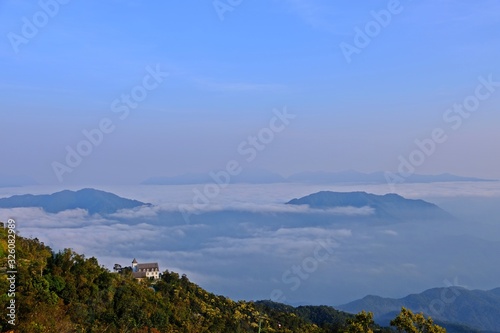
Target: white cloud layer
[(245, 256)]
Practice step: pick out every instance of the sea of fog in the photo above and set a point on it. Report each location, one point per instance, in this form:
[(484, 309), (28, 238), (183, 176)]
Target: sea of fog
[(243, 242)]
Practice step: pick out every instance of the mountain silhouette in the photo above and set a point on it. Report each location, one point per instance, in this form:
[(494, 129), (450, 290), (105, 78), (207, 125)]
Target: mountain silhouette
[(94, 201), (477, 309), (385, 206)]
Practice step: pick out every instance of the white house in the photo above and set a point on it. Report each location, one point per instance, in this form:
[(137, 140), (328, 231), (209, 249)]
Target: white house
[(145, 271)]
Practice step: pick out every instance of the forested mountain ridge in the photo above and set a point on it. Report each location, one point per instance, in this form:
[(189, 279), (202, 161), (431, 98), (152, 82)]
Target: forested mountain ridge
[(66, 292)]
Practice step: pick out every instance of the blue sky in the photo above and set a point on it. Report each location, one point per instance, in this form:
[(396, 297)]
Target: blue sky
[(225, 78)]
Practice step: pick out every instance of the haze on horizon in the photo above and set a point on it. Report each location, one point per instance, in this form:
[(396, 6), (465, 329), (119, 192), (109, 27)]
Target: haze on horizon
[(207, 80)]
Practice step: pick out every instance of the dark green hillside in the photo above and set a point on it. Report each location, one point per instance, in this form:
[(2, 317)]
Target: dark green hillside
[(66, 292), (326, 317)]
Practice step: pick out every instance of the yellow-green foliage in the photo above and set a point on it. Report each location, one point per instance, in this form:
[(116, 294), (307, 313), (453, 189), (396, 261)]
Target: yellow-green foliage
[(408, 322), (3, 247), (66, 292)]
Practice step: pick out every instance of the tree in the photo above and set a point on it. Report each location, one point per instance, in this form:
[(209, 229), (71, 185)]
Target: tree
[(362, 323), (408, 322)]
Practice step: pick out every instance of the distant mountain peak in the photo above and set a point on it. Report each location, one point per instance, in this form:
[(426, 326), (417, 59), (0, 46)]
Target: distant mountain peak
[(477, 309), (389, 205), (378, 177), (92, 200)]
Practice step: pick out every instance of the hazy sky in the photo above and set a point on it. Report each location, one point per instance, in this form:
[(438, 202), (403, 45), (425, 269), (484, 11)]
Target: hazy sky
[(361, 81)]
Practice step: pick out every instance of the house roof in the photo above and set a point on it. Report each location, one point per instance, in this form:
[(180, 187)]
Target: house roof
[(134, 261), (149, 265)]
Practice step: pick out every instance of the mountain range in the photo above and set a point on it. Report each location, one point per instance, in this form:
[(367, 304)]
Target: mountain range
[(94, 201), (477, 309), (319, 177), (387, 207), (457, 309), (259, 176)]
